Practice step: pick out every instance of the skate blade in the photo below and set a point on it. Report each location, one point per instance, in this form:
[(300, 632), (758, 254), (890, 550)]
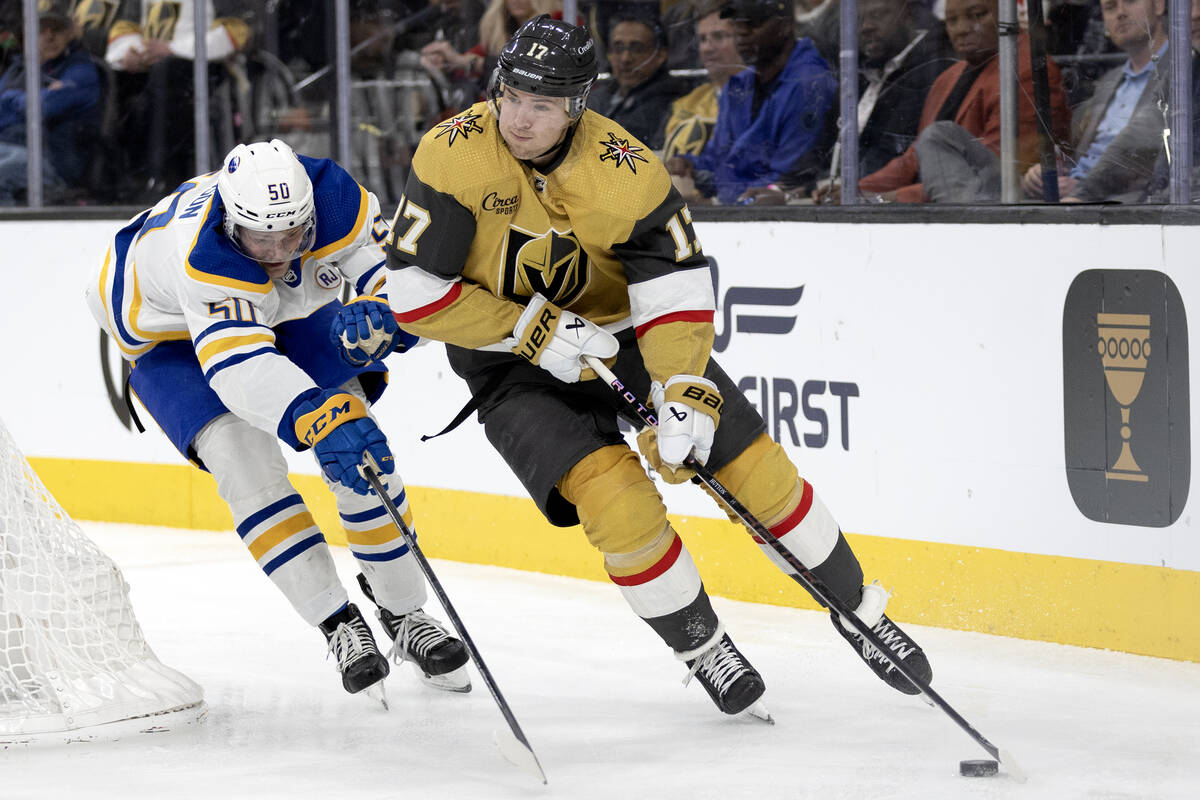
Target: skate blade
[(456, 681), (518, 753), (376, 692), (759, 711)]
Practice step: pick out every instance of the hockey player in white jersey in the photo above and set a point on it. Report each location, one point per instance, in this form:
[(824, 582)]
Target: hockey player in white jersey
[(225, 298)]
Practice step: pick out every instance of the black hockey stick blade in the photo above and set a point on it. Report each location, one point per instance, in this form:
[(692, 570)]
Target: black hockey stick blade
[(510, 748), (803, 576)]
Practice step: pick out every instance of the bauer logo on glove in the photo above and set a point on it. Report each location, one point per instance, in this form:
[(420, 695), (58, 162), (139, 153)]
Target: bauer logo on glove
[(557, 340)]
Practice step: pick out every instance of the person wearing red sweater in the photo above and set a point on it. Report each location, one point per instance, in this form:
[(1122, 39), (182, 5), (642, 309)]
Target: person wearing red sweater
[(956, 155)]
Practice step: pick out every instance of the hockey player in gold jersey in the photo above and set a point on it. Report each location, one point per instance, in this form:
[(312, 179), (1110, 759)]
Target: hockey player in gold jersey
[(533, 233)]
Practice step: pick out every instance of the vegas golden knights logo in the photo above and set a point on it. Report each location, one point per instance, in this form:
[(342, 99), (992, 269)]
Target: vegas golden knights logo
[(161, 19), (688, 138), (95, 15), (553, 265)]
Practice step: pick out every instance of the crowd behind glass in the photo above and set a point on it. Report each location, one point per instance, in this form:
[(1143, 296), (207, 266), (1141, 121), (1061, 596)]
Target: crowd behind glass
[(740, 98)]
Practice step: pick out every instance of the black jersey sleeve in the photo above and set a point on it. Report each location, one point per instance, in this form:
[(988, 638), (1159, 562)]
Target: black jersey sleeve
[(431, 230)]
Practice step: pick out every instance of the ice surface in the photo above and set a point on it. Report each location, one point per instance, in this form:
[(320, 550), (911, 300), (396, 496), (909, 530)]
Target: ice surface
[(600, 700)]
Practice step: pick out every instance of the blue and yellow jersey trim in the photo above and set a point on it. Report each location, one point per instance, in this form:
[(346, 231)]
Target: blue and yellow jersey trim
[(123, 296), (342, 206), (212, 258)]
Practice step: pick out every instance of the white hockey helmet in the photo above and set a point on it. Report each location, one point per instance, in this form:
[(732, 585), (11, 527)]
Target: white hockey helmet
[(265, 189)]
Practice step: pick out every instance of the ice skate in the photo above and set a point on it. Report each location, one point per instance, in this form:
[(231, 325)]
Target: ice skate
[(352, 644), (900, 645), (732, 683), (438, 658)]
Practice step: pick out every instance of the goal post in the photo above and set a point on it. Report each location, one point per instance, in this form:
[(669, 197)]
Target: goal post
[(72, 655)]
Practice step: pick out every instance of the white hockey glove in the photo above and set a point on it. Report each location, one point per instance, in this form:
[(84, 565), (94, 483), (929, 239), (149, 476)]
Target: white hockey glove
[(688, 410), (557, 340)]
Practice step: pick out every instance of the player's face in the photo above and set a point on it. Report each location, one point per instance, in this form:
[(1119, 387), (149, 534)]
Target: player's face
[(273, 249), (531, 124)]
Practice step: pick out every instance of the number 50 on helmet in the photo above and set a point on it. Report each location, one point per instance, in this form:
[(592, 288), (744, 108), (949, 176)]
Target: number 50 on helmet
[(548, 57)]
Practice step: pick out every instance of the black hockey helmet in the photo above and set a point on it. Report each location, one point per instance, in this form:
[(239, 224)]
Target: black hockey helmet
[(549, 57)]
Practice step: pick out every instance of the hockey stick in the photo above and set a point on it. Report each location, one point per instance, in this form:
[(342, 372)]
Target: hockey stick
[(802, 575), (516, 748)]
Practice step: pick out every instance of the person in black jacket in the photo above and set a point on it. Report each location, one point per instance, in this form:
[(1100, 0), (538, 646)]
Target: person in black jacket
[(898, 60), (641, 90)]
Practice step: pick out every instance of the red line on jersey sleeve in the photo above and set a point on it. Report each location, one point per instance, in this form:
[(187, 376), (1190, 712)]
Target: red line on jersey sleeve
[(677, 316), (431, 308)]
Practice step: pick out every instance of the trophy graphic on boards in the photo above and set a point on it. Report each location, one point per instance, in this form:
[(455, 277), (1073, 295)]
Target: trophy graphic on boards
[(1124, 346)]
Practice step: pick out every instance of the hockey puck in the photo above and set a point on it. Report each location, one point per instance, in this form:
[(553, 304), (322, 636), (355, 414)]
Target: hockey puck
[(981, 768)]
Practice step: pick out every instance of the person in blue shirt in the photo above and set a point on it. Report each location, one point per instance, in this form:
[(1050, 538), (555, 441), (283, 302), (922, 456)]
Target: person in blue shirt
[(769, 115), (1118, 131), (70, 101)]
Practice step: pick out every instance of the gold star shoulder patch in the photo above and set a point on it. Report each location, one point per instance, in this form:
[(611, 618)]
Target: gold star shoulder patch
[(463, 125), (621, 152)]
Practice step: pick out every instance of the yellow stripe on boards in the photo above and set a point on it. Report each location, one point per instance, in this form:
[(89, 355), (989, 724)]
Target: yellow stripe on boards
[(1129, 607)]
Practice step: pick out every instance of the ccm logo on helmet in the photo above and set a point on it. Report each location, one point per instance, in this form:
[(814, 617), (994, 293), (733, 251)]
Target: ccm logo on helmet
[(279, 214)]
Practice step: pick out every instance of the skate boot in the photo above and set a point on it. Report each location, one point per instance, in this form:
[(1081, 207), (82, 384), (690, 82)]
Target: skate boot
[(438, 658), (351, 642), (732, 683), (900, 645)]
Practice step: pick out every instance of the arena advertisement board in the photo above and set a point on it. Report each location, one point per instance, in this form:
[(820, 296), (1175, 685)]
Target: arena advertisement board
[(916, 374)]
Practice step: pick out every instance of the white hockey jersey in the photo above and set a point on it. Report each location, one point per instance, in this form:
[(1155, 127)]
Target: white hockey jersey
[(172, 274)]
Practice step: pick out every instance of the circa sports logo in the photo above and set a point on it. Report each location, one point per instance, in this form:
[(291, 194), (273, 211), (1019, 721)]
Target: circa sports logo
[(501, 205), (621, 152), (463, 125), (552, 264)]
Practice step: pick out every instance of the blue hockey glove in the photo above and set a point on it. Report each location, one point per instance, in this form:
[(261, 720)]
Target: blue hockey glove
[(365, 330), (336, 426)]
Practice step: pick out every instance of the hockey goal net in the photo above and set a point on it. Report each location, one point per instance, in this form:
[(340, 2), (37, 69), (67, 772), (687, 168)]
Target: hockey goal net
[(72, 654)]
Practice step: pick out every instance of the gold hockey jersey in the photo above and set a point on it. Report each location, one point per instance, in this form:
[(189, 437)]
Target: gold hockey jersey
[(691, 123), (600, 231)]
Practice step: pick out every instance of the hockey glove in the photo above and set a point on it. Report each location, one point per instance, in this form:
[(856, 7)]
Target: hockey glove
[(336, 426), (557, 340), (365, 330), (688, 410)]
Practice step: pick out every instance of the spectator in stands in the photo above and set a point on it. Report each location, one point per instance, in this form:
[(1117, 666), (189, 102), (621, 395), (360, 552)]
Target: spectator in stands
[(1158, 188), (498, 23), (956, 156), (639, 94), (897, 64), (452, 21), (70, 99), (694, 115), (1118, 132), (768, 116), (152, 51), (679, 22)]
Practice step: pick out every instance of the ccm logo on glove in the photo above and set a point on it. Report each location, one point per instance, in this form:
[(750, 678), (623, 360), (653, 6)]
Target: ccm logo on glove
[(338, 409)]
